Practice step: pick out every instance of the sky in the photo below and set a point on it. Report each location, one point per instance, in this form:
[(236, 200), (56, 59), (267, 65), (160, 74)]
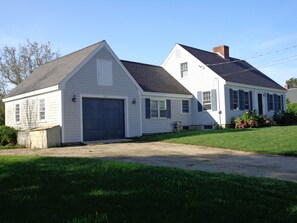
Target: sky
[(146, 31)]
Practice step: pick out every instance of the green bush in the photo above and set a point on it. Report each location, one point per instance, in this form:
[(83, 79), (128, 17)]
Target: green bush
[(8, 136), (285, 118), (251, 119), (292, 108)]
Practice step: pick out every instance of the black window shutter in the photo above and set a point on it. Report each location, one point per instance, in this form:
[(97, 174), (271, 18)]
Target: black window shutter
[(241, 99), (213, 100), (147, 108), (168, 107), (199, 101), (251, 100), (231, 98)]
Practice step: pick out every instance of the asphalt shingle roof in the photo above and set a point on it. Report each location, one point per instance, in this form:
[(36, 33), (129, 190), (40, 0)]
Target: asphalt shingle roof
[(238, 71), (52, 73), (153, 78)]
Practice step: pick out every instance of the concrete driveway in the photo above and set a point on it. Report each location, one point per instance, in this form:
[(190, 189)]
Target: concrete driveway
[(181, 156)]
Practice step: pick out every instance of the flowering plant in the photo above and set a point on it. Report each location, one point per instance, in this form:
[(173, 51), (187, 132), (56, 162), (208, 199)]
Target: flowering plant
[(251, 119)]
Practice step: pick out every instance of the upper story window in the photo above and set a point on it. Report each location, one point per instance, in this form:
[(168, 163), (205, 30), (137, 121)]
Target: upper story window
[(185, 106), (235, 99), (206, 100), (184, 69), (270, 102), (158, 109), (17, 113), (246, 100), (104, 73), (41, 106)]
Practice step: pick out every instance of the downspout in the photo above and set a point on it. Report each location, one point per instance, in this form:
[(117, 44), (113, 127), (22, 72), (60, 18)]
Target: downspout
[(219, 102)]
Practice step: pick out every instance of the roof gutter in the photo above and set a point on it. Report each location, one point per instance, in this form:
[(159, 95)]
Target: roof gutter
[(32, 93)]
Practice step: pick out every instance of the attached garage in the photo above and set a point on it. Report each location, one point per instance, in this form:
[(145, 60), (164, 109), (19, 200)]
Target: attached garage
[(103, 119)]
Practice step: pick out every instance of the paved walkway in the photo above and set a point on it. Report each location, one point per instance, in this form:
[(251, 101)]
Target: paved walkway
[(181, 156)]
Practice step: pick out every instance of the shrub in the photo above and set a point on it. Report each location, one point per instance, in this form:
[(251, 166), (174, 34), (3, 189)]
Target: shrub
[(251, 119), (292, 107), (285, 118), (8, 136)]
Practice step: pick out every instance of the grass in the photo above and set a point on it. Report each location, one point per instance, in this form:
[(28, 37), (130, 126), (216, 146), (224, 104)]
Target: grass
[(73, 190), (10, 147), (279, 140)]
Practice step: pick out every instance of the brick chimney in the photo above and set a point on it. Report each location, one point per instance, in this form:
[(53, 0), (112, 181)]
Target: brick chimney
[(222, 51), (286, 86)]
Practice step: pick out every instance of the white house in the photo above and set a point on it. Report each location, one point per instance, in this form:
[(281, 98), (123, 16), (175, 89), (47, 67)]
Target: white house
[(93, 95), (223, 86)]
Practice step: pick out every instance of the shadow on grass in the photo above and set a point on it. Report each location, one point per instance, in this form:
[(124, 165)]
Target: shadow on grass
[(90, 190)]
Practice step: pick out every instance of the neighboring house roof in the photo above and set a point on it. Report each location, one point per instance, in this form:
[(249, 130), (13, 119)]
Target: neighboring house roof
[(52, 73), (292, 95), (232, 69), (153, 78)]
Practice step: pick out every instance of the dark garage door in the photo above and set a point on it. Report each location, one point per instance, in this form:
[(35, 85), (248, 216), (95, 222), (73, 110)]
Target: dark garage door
[(103, 119)]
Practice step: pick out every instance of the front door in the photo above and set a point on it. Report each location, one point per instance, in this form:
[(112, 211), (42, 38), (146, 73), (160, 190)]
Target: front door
[(260, 104)]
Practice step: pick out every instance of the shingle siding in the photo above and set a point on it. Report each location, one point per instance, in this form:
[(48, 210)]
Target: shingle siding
[(158, 125), (84, 82), (29, 111)]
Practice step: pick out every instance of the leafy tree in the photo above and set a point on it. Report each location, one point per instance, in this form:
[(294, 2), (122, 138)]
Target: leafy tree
[(18, 63), (292, 82)]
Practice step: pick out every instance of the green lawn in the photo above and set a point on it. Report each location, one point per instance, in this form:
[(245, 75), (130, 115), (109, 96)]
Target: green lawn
[(35, 189), (10, 147), (280, 140)]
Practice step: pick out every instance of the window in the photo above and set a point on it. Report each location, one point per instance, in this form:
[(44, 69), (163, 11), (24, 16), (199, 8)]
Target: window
[(42, 109), (17, 113), (154, 109), (278, 108), (235, 99), (104, 73), (158, 109), (246, 100), (185, 106), (184, 69), (206, 100), (270, 102)]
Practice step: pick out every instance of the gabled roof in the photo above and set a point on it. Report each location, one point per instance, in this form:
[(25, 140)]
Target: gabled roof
[(232, 69), (52, 73), (153, 78)]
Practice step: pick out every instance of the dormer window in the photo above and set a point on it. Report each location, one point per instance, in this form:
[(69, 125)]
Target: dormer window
[(183, 69)]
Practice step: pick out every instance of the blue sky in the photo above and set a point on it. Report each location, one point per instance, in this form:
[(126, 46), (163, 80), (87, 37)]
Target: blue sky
[(146, 31)]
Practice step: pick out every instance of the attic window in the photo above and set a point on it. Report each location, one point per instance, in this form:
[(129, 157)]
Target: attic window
[(183, 69), (104, 73)]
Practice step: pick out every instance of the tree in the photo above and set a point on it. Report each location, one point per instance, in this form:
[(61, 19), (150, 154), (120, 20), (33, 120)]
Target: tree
[(17, 64), (292, 82)]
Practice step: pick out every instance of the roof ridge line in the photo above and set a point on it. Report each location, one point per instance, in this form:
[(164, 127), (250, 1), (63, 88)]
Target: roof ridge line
[(141, 63), (72, 53)]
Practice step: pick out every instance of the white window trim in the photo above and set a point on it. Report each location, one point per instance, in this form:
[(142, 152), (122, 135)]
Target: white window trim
[(181, 103), (15, 121), (159, 111), (41, 120), (203, 109)]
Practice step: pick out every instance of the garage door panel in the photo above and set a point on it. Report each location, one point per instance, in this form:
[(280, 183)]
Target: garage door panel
[(103, 119)]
